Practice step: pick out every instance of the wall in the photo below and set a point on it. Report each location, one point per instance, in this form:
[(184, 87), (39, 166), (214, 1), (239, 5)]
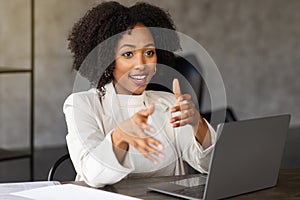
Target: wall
[(255, 44)]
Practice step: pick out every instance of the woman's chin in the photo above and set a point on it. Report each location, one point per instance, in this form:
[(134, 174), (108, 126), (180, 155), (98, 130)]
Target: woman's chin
[(139, 90)]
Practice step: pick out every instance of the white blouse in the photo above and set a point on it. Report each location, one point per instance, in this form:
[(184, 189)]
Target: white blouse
[(90, 124)]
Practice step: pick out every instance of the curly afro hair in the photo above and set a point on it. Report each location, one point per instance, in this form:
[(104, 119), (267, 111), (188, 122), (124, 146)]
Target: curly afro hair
[(94, 38)]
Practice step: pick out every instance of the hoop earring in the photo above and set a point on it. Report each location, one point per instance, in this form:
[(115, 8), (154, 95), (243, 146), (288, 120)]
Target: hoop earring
[(154, 70)]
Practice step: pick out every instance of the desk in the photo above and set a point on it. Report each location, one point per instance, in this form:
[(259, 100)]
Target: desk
[(288, 187)]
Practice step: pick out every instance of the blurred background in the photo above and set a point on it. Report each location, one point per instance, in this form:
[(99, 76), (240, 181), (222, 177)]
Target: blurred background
[(254, 43)]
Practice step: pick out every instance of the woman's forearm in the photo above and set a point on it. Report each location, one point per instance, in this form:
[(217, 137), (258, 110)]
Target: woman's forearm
[(202, 133)]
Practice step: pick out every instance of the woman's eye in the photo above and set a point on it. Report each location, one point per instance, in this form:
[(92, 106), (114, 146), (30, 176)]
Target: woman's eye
[(127, 54), (150, 53)]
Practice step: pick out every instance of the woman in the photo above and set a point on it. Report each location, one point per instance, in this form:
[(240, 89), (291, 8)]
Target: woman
[(118, 129)]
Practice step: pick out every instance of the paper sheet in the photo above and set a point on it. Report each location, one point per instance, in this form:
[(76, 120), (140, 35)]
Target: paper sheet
[(7, 188), (70, 192)]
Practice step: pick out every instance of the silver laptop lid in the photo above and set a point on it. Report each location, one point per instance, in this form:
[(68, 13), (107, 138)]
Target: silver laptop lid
[(247, 156)]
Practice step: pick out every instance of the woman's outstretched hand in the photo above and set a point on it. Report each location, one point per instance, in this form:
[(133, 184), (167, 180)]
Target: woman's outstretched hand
[(132, 131)]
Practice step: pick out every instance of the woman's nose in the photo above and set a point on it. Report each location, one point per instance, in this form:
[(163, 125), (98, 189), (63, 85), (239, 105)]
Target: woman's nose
[(140, 61)]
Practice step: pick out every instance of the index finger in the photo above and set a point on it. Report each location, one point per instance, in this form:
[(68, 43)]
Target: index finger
[(148, 111), (176, 88)]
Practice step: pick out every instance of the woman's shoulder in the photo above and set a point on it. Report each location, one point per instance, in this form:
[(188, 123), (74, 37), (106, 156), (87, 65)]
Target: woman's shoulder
[(82, 96)]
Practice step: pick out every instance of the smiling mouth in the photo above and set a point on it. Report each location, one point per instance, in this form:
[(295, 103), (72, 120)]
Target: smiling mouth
[(139, 79)]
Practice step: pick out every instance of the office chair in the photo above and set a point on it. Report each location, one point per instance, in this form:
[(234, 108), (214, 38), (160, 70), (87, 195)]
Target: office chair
[(191, 81)]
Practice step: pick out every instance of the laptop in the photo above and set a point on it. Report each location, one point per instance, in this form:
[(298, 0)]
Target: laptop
[(246, 158)]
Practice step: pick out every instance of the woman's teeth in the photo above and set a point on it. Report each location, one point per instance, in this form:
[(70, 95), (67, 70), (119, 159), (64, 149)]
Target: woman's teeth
[(138, 77), (139, 80)]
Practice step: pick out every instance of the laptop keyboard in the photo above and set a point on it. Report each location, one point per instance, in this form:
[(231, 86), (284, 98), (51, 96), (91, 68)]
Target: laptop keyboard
[(196, 191), (191, 182)]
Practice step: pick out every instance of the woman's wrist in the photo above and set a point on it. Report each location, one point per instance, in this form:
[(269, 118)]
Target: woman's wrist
[(118, 140), (120, 147)]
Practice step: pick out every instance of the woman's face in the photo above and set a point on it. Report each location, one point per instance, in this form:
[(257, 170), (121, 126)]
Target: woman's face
[(135, 61)]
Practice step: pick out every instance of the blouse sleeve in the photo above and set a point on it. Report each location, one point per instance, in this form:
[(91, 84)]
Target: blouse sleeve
[(192, 152), (91, 149)]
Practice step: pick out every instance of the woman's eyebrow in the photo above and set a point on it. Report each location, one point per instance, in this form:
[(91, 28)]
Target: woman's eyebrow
[(127, 45), (133, 46), (149, 45)]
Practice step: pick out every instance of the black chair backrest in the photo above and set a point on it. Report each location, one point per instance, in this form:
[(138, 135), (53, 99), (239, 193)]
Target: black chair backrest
[(190, 68), (188, 74), (66, 169)]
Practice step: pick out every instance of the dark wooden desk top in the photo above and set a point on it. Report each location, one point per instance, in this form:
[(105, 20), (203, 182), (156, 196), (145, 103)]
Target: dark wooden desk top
[(288, 187)]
